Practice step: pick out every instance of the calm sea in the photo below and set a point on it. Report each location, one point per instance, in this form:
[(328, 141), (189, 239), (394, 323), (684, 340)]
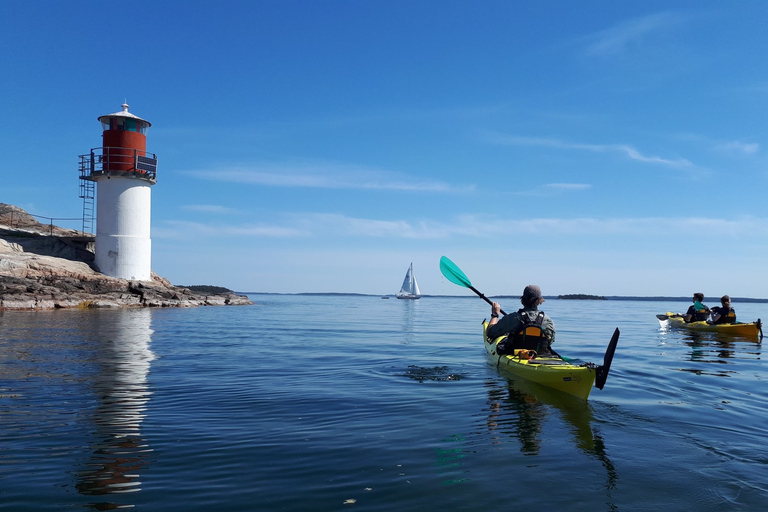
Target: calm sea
[(316, 403)]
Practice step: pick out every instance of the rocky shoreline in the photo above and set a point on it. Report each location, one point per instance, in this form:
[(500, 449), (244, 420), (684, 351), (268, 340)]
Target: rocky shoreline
[(45, 267)]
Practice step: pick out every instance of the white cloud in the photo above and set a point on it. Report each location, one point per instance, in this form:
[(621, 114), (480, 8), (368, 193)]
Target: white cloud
[(725, 146), (627, 150), (186, 229), (367, 227), (567, 186), (551, 189), (620, 38), (335, 226), (740, 147), (208, 208), (325, 175)]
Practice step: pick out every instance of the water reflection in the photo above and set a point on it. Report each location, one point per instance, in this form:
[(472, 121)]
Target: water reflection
[(409, 314), (713, 348), (705, 345), (119, 452), (518, 409)]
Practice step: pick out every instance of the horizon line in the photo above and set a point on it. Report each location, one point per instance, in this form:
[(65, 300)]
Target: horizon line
[(547, 297)]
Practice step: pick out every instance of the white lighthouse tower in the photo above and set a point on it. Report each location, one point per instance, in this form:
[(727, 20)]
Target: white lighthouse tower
[(124, 173)]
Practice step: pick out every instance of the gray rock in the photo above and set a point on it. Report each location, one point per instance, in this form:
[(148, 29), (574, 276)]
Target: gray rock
[(47, 267)]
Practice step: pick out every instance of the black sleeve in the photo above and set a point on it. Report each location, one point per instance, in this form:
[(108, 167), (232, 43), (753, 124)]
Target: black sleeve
[(503, 326)]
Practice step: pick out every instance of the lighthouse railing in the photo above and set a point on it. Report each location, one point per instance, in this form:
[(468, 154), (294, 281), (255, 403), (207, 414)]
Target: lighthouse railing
[(113, 161)]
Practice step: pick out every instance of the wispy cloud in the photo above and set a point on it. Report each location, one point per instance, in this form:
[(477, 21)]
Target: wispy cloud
[(336, 226), (552, 189), (627, 150), (325, 175), (747, 148), (208, 208), (567, 186), (723, 146), (185, 229), (656, 227), (354, 226), (632, 33)]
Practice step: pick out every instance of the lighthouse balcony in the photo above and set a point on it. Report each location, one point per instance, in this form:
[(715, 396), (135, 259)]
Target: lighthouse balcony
[(123, 162)]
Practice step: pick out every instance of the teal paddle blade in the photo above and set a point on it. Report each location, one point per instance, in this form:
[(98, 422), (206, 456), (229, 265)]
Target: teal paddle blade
[(456, 276), (453, 273)]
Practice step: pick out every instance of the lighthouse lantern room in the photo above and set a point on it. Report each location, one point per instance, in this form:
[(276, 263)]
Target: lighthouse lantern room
[(123, 173)]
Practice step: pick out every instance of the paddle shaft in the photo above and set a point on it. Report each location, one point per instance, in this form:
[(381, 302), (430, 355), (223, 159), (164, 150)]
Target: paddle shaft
[(486, 299)]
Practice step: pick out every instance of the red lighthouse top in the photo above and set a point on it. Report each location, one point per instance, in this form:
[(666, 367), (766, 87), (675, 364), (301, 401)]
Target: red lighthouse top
[(124, 147), (124, 130)]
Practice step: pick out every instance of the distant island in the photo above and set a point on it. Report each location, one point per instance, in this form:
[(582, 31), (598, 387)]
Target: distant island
[(207, 288), (580, 296)]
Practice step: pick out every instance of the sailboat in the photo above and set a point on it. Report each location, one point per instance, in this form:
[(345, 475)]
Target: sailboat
[(410, 288)]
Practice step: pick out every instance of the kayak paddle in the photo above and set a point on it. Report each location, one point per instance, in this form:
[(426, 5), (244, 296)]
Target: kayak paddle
[(456, 276), (602, 371), (667, 317)]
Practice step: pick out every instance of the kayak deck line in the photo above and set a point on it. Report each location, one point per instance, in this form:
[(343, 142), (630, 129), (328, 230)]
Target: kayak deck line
[(554, 371)]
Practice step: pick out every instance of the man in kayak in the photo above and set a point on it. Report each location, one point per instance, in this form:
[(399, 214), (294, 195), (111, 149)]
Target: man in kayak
[(697, 312), (725, 314), (527, 315)]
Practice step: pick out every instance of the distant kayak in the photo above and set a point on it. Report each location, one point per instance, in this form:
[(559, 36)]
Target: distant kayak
[(749, 329), (554, 371)]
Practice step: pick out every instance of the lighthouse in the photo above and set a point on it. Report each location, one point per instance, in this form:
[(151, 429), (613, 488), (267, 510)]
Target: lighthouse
[(123, 173)]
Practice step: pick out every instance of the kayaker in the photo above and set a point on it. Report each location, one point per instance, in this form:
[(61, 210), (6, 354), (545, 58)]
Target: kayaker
[(528, 314), (724, 314), (697, 312)]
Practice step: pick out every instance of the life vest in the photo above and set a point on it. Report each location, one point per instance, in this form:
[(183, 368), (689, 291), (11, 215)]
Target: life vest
[(726, 317), (699, 315), (530, 335)]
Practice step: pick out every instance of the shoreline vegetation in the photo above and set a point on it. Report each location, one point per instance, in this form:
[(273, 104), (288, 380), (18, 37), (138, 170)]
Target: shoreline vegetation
[(659, 298)]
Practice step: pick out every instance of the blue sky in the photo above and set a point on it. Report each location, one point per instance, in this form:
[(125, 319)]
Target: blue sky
[(613, 148)]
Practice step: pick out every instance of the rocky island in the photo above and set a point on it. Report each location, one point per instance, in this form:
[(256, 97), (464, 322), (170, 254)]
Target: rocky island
[(48, 267), (580, 296)]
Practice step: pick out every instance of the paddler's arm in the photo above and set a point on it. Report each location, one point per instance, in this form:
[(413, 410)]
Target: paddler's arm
[(496, 329), (495, 312), (548, 326)]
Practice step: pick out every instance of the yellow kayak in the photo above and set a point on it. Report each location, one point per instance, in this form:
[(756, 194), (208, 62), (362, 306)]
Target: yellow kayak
[(554, 372), (750, 329)]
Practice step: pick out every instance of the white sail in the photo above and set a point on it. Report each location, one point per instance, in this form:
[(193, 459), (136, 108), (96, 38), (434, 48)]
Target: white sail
[(410, 288), (415, 289), (407, 287)]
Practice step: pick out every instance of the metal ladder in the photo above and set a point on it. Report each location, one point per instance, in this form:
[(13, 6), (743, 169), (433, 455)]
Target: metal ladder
[(87, 192)]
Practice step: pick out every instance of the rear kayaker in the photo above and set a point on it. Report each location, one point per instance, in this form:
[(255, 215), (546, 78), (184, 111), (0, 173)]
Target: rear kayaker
[(747, 329), (553, 371)]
